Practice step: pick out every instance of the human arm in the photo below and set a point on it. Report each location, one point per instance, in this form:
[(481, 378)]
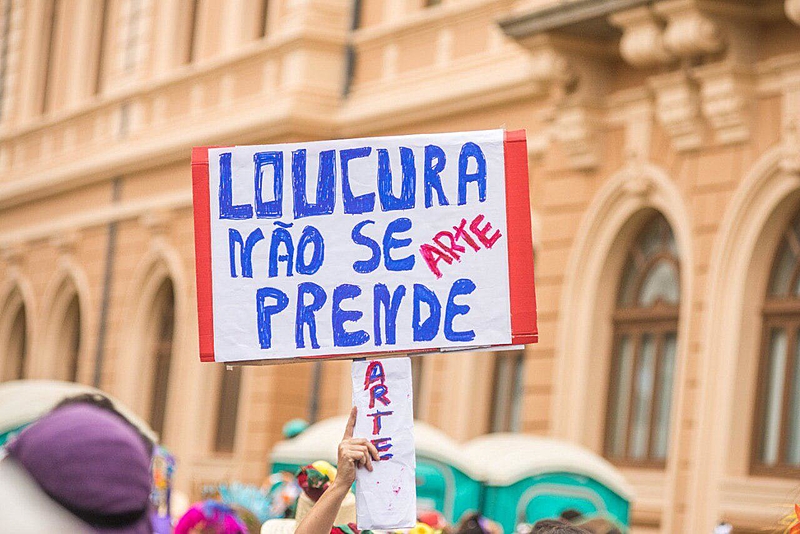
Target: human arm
[(353, 453)]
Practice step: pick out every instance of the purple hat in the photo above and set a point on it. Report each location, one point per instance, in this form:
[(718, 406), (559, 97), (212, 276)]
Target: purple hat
[(92, 463)]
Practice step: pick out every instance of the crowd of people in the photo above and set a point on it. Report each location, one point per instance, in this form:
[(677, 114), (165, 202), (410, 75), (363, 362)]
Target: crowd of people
[(83, 467)]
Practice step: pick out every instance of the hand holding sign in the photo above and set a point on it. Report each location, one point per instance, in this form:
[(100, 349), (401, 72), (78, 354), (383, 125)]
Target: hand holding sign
[(353, 453)]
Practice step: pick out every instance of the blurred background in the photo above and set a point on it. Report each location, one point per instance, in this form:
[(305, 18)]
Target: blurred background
[(664, 154)]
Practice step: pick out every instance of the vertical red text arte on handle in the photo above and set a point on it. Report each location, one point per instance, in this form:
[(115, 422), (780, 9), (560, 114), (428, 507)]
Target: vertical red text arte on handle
[(520, 240)]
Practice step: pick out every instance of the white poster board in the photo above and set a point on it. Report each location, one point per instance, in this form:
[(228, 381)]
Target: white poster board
[(358, 246), (386, 497)]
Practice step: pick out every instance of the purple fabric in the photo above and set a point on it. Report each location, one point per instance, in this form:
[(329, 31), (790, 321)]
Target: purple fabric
[(92, 463)]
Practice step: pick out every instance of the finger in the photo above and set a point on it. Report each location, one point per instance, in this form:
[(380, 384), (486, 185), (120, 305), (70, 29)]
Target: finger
[(365, 460), (356, 457), (368, 463), (365, 452), (351, 424), (373, 450)]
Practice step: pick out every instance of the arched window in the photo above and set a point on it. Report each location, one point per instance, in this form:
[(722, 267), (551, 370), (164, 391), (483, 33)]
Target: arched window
[(69, 339), (71, 336), (160, 331), (645, 343), (777, 415), (507, 392), (62, 337), (14, 332)]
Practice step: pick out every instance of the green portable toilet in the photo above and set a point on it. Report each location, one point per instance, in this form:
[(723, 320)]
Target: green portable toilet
[(528, 478), (319, 441), (445, 480)]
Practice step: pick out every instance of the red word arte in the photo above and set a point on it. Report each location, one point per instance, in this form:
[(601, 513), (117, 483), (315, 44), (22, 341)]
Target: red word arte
[(375, 382), (448, 246)]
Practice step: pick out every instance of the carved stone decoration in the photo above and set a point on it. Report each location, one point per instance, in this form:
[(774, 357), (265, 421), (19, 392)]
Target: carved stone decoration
[(642, 43), (636, 183), (790, 162), (638, 132), (678, 109), (790, 122), (726, 93), (689, 32), (157, 221), (11, 253), (538, 143), (576, 85), (65, 242), (549, 68), (792, 8), (575, 128)]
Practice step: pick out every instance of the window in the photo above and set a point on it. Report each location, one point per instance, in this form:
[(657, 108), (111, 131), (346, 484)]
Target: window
[(644, 349), (262, 18), (5, 33), (101, 48), (15, 342), (777, 415), (191, 31), (69, 341), (133, 35), (48, 56), (228, 409), (161, 332), (16, 345), (416, 382), (507, 392), (355, 15)]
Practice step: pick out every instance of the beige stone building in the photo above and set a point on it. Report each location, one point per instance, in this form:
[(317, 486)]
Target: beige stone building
[(664, 140)]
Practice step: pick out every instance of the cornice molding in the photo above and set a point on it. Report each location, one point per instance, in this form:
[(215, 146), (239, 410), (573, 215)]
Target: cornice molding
[(425, 95), (65, 232), (677, 99), (285, 117)]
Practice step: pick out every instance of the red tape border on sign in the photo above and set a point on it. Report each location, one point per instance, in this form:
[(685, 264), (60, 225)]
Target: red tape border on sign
[(520, 240), (520, 248), (202, 251)]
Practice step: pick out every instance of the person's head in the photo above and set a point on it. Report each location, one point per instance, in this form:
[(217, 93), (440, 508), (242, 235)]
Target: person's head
[(555, 526), (475, 523), (104, 403), (92, 464), (571, 515)]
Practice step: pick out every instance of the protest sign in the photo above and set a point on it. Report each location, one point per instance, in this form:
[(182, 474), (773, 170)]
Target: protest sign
[(362, 246), (386, 497)]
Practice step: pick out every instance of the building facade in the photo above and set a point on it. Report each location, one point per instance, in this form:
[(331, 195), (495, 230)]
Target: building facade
[(664, 143)]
